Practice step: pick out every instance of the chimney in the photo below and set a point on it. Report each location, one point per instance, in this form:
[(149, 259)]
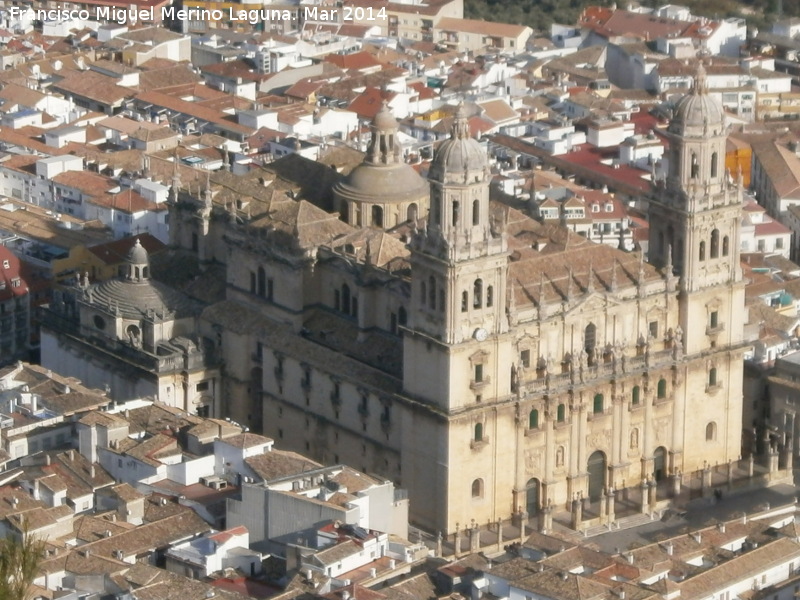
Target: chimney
[(47, 459), (629, 556), (91, 471), (373, 572), (721, 527), (71, 454), (697, 537), (669, 548), (345, 595)]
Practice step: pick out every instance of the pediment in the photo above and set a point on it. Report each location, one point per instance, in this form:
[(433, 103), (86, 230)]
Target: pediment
[(593, 302)]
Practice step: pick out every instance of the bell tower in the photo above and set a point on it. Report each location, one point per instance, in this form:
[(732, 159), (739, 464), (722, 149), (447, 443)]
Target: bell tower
[(458, 264), (696, 213), (695, 220)]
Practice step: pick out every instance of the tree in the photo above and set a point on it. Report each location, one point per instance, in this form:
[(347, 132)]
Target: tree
[(19, 563)]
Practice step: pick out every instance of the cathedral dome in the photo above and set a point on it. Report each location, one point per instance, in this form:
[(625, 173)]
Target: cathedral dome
[(697, 113), (138, 255), (460, 154), (135, 294), (383, 177), (133, 300)]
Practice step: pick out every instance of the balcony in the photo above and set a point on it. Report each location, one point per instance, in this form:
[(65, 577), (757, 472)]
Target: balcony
[(576, 377), (479, 444), (479, 385), (363, 410)]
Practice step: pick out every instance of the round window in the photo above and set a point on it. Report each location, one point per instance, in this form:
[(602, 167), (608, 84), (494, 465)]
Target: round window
[(99, 322)]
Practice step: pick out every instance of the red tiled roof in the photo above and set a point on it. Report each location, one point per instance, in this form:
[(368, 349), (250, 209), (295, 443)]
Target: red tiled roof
[(357, 60), (115, 252), (369, 102), (9, 274), (772, 228)]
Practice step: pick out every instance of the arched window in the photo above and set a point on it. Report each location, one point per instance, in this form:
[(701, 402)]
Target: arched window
[(402, 316), (441, 299), (712, 377), (590, 339), (456, 209), (476, 212), (489, 296), (477, 488), (715, 243), (635, 393), (725, 246), (436, 208), (533, 419), (702, 250), (661, 390), (477, 294), (432, 292), (411, 212), (377, 216), (346, 299), (597, 407), (261, 288), (714, 164), (464, 301), (561, 413), (695, 166), (478, 432), (711, 431)]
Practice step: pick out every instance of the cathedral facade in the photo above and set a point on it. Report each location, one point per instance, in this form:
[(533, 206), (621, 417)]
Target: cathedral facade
[(486, 362)]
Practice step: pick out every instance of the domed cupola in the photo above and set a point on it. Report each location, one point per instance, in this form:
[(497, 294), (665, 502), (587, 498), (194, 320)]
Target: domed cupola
[(698, 114), (383, 191), (137, 263), (461, 159)]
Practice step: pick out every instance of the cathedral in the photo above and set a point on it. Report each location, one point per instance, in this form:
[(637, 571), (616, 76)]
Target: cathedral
[(488, 363)]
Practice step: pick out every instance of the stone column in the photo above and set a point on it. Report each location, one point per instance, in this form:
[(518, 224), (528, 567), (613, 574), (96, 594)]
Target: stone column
[(750, 466), (577, 514), (521, 521), (457, 542), (610, 509), (474, 538), (676, 484), (499, 535), (603, 505), (439, 544), (644, 488), (730, 474), (773, 460), (653, 494), (546, 518), (706, 480)]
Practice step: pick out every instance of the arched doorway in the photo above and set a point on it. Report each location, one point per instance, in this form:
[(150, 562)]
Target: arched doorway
[(532, 496), (596, 468), (660, 463)]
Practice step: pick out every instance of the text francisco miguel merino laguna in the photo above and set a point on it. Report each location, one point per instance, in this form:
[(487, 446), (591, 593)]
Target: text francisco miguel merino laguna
[(130, 16)]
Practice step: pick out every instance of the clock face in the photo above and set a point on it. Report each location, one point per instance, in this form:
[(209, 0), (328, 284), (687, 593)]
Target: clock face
[(481, 334)]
